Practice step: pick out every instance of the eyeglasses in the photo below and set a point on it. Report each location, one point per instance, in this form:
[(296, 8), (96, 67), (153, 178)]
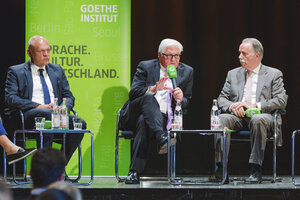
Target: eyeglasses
[(170, 56), (43, 51)]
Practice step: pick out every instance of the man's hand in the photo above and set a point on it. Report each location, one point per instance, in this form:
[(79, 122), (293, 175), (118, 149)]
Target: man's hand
[(47, 106), (239, 108), (178, 94), (160, 85)]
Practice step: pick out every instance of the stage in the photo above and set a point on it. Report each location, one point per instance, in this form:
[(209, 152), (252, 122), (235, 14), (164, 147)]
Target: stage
[(159, 188)]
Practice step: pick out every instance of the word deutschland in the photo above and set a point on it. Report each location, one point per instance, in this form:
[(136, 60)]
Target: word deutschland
[(99, 13), (90, 73)]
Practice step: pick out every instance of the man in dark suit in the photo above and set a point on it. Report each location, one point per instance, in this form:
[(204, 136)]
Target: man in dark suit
[(32, 87), (148, 107), (253, 85)]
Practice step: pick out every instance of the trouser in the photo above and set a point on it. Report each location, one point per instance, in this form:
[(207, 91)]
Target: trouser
[(2, 129), (72, 141), (147, 122), (259, 125)]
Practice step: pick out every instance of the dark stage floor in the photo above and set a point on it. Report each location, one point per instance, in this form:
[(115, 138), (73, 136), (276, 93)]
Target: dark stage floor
[(159, 188)]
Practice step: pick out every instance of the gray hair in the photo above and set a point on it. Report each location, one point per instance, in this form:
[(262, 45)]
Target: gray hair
[(33, 39), (167, 43), (257, 46)]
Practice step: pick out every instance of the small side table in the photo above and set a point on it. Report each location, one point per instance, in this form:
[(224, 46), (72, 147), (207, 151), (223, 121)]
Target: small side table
[(64, 132), (172, 158), (293, 157)]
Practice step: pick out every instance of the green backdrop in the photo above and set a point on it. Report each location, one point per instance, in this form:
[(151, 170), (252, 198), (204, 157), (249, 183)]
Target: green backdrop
[(90, 39)]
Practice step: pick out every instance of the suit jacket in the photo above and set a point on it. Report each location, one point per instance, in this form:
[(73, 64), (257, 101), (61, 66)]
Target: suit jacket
[(270, 90), (148, 73), (19, 86)]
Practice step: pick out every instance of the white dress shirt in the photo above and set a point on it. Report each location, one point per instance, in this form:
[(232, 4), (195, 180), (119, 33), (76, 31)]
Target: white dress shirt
[(37, 91), (162, 95), (254, 77)]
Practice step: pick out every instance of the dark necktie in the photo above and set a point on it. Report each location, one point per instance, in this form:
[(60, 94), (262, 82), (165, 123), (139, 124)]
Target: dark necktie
[(45, 88)]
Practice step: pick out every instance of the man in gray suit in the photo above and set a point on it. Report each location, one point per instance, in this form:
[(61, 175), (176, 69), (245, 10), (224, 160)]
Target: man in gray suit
[(32, 87), (150, 92), (253, 85)]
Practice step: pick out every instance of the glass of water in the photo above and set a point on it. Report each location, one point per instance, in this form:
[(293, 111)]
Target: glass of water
[(39, 123), (77, 123)]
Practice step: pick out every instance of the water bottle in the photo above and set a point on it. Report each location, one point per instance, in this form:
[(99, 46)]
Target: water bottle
[(64, 117), (215, 123), (177, 123), (55, 115)]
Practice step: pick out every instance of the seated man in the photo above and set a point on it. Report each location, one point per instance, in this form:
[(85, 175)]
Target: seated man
[(253, 85), (14, 153), (32, 87), (150, 102)]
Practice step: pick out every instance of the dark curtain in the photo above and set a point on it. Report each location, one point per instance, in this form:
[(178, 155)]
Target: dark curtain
[(211, 32)]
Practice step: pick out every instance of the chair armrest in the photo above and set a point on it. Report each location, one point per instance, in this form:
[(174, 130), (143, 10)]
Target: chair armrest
[(281, 111), (22, 119), (74, 112)]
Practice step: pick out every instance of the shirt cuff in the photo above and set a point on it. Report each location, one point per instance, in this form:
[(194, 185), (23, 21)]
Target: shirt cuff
[(230, 108), (149, 92), (258, 105)]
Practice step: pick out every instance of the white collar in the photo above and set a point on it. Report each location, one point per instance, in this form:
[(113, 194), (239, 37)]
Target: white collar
[(256, 69)]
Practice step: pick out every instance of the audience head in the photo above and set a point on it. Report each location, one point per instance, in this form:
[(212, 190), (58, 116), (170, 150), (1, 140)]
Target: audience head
[(54, 194), (72, 191), (47, 166), (38, 50), (169, 52), (5, 192), (251, 53)]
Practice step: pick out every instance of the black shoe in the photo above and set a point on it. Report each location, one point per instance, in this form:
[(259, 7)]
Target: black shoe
[(218, 176), (215, 178), (255, 174), (132, 178), (163, 143), (68, 180), (21, 154), (255, 177)]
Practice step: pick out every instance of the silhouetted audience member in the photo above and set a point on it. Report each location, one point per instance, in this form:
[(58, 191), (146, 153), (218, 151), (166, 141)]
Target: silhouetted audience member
[(47, 166), (5, 192), (54, 194), (72, 191)]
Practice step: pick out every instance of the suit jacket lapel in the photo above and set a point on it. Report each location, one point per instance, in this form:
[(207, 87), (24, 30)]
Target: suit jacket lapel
[(260, 81), (29, 81), (53, 79), (241, 80), (156, 72), (179, 74)]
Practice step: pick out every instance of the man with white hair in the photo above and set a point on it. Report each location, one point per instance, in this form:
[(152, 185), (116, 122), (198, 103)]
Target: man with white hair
[(151, 90), (253, 85)]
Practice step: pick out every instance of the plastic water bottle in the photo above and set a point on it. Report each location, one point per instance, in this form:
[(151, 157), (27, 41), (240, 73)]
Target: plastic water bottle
[(64, 117), (215, 123), (177, 123), (55, 115)]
